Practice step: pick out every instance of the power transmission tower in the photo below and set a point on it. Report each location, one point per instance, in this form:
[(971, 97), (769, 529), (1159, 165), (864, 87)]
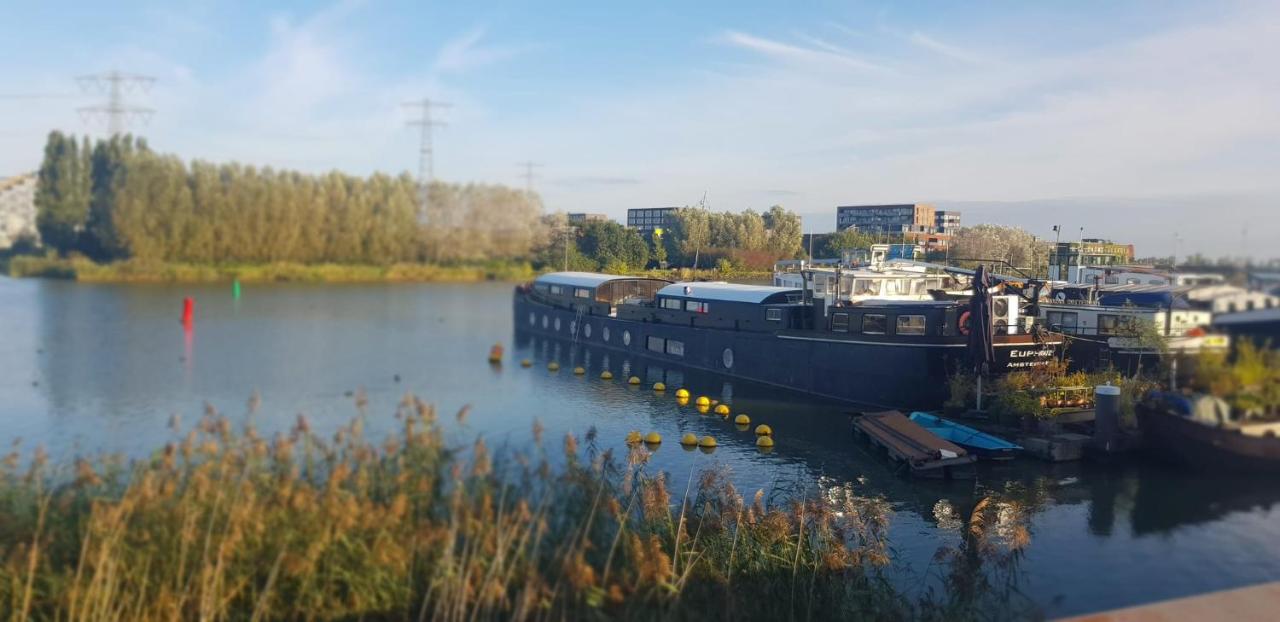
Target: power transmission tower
[(426, 173), (528, 175), (116, 85)]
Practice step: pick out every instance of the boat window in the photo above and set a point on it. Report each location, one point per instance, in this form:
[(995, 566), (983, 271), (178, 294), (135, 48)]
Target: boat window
[(1063, 321), (656, 344), (911, 324), (695, 306), (840, 323), (874, 324), (582, 292), (671, 303), (1131, 282), (773, 315), (918, 287), (675, 348), (1155, 282), (542, 287), (556, 289), (1112, 280), (1114, 324), (892, 287), (866, 287)]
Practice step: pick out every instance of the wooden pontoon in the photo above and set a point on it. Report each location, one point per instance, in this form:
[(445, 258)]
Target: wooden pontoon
[(924, 453)]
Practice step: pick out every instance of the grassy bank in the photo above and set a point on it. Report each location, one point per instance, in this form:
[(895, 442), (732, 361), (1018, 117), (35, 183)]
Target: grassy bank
[(227, 525), (134, 271)]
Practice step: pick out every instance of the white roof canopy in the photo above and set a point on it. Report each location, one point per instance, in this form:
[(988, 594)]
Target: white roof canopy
[(731, 292), (584, 279)]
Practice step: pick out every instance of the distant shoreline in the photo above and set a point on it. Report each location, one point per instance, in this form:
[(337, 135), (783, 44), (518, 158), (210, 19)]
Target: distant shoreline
[(133, 271)]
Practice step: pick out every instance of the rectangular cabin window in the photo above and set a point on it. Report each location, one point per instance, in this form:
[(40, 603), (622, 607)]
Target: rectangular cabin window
[(542, 287), (918, 287), (671, 303), (874, 324), (675, 348), (840, 323), (773, 315), (1063, 321), (656, 344), (695, 306), (866, 287), (582, 292), (911, 324), (556, 289), (1114, 324)]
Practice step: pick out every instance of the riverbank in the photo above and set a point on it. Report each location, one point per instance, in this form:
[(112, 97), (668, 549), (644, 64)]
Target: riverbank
[(134, 271), (223, 524)]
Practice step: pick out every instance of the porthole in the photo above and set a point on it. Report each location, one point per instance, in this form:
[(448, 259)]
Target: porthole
[(545, 320), (573, 327), (586, 330), (557, 325), (533, 318), (727, 358), (604, 333), (626, 337)]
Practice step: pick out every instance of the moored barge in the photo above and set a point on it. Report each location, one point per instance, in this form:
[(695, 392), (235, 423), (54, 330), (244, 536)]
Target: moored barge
[(891, 354)]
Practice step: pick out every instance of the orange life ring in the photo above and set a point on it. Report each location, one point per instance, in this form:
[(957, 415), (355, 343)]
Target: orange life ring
[(964, 322)]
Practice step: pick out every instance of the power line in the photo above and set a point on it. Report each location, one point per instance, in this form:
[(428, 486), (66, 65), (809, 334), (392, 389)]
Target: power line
[(426, 154), (116, 85), (528, 174)]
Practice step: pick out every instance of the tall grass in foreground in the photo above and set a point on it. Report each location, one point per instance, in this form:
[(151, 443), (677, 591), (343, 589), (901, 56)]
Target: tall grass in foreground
[(225, 524)]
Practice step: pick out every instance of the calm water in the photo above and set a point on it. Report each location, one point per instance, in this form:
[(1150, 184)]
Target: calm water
[(88, 368)]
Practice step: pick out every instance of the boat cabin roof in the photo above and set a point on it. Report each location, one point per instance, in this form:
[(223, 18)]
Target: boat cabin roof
[(589, 280), (729, 292)]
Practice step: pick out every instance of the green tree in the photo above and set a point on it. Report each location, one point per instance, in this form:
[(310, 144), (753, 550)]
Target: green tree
[(613, 246), (62, 193)]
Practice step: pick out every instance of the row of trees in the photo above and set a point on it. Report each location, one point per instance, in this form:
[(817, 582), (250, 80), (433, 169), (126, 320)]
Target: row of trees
[(118, 199), (748, 239)]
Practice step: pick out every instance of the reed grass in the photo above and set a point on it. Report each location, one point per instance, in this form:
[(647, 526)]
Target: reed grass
[(224, 524)]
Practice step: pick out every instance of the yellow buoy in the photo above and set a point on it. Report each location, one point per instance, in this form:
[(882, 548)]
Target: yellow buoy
[(689, 439), (553, 366), (742, 428), (703, 400), (606, 375), (633, 380), (742, 419), (658, 386), (526, 363), (633, 437), (703, 408), (764, 441), (682, 401), (579, 370), (707, 441), (764, 430), (722, 410), (653, 438), (682, 393)]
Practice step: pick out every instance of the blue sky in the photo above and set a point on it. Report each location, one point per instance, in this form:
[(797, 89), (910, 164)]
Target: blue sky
[(1169, 111)]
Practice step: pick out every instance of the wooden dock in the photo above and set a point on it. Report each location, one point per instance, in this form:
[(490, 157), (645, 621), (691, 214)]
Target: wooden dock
[(925, 454)]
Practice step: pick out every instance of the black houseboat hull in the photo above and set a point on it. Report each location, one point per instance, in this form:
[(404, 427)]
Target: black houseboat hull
[(1211, 448), (880, 375)]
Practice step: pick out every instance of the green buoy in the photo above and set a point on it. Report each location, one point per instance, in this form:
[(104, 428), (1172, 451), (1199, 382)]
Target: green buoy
[(235, 289)]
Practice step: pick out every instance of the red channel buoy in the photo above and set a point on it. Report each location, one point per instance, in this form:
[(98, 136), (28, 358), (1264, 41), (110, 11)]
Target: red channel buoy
[(188, 311)]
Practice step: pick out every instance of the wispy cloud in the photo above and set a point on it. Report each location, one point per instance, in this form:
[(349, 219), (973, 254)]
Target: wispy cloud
[(466, 52), (823, 54), (950, 51)]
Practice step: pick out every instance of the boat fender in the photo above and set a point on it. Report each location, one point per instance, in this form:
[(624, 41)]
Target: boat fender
[(964, 322)]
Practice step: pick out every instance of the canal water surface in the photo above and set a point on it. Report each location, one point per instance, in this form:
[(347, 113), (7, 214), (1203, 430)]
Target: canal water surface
[(86, 369)]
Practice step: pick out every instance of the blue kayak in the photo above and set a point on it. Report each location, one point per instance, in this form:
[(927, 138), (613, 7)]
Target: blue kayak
[(980, 443)]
